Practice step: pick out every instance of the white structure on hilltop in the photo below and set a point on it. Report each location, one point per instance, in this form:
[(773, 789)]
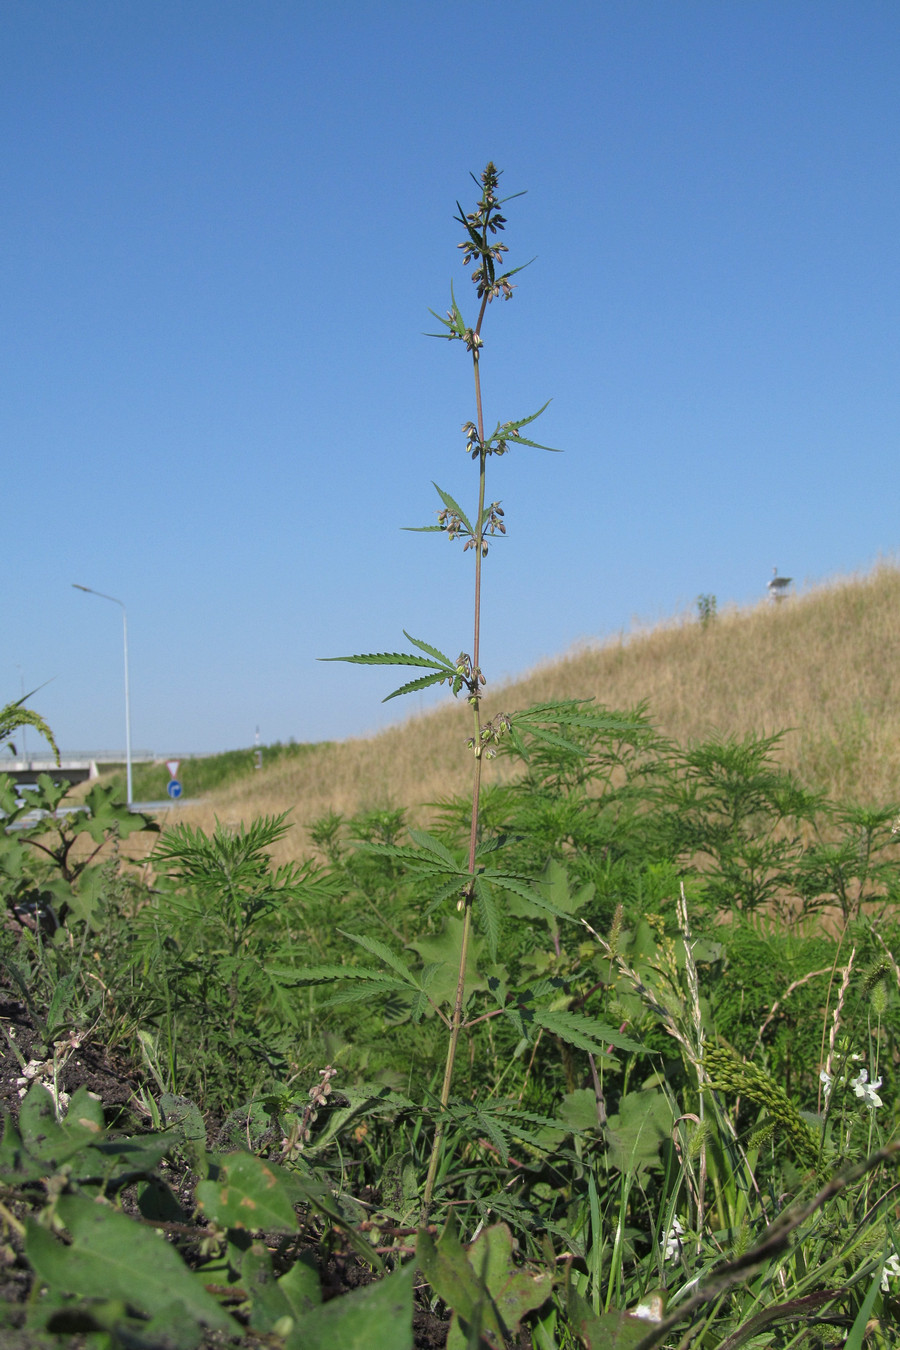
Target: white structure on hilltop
[(778, 586)]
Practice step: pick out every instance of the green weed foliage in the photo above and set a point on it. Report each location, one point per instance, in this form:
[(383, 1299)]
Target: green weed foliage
[(605, 1058)]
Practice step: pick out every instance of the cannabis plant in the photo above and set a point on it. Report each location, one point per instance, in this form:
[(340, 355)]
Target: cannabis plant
[(469, 878)]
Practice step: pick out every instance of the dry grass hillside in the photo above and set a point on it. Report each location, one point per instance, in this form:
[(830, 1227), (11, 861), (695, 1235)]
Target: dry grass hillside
[(823, 666)]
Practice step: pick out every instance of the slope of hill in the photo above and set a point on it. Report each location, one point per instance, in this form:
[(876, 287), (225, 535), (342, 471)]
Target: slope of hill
[(823, 667)]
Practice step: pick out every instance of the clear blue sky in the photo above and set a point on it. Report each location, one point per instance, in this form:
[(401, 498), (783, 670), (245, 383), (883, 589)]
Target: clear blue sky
[(223, 223)]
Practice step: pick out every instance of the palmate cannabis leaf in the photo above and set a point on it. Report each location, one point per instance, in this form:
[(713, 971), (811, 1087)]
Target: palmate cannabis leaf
[(454, 322), (448, 876), (366, 981), (504, 432), (500, 1121), (443, 668), (546, 723), (586, 1033), (464, 529)]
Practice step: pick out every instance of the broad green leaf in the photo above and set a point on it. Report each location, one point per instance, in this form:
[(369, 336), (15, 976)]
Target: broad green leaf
[(485, 1288), (83, 903), (249, 1193), (637, 1130), (16, 1164), (444, 953), (157, 1202), (380, 1315), (449, 1272), (606, 1331), (301, 1288), (268, 1299), (46, 1140), (183, 1118), (579, 1109), (120, 1159), (558, 893), (514, 1290), (104, 813), (111, 1256), (86, 1113)]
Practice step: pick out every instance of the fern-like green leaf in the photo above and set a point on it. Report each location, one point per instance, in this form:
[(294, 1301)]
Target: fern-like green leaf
[(521, 887), (384, 953), (361, 994), (586, 1033), (455, 322), (579, 713), (325, 974), (432, 651), (443, 667), (415, 685), (508, 431), (419, 861), (384, 659), (431, 845), (494, 1133), (453, 889), (488, 914)]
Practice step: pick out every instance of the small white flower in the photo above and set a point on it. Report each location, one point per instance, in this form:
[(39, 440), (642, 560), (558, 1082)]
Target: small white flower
[(672, 1241), (828, 1081), (890, 1271), (866, 1090)]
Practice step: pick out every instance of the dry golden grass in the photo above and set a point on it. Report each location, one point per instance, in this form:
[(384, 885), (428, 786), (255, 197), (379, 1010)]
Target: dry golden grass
[(822, 666)]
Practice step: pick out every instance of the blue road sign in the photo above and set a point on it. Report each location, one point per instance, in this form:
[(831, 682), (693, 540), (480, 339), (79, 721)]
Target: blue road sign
[(174, 789)]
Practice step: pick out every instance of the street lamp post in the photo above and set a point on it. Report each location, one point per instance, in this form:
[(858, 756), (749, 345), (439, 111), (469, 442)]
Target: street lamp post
[(89, 591), (24, 741)]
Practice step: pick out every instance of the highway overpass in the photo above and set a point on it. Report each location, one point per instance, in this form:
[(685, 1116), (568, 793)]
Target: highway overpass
[(75, 767)]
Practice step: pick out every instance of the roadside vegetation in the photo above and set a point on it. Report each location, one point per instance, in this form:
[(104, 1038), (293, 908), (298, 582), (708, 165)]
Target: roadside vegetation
[(818, 669), (589, 1041), (201, 775)]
